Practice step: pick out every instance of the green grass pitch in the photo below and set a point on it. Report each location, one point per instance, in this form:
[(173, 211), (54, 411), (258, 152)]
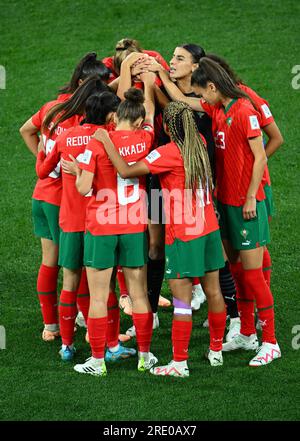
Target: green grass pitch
[(40, 44)]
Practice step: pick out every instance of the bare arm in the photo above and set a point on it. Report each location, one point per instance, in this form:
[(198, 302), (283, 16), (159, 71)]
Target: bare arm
[(275, 138), (29, 133), (125, 73), (149, 104), (84, 178), (124, 170), (260, 161)]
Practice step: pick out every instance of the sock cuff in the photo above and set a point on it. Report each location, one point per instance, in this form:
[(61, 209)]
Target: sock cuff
[(68, 298), (49, 269)]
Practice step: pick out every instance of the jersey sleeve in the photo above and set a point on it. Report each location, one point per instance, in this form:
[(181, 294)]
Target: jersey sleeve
[(93, 152), (45, 164), (209, 109), (250, 123), (160, 160), (261, 105), (37, 119)]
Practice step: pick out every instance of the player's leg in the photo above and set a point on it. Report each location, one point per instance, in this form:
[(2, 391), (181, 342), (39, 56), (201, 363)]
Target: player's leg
[(181, 329), (45, 220), (216, 316), (133, 255)]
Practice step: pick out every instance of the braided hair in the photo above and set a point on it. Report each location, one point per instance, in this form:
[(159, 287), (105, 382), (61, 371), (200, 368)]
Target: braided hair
[(180, 121)]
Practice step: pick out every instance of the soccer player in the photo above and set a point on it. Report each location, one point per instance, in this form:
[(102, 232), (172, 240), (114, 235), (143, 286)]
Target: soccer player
[(240, 163), (274, 141), (115, 227), (193, 243), (178, 81), (47, 195), (99, 111)]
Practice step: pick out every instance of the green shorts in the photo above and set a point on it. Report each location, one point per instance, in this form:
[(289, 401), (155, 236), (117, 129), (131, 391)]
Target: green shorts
[(71, 247), (195, 257), (244, 234), (269, 201), (45, 220), (129, 250)]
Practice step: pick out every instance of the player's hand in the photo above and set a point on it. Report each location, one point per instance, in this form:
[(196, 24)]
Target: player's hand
[(101, 135), (69, 167), (154, 66), (249, 208), (148, 77), (133, 57)]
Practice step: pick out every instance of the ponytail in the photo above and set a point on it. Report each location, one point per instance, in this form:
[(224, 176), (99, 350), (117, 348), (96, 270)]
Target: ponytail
[(75, 105)]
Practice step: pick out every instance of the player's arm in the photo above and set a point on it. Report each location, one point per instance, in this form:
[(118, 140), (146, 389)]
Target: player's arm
[(45, 164), (148, 79), (84, 178), (260, 161), (125, 73), (275, 139), (29, 133), (124, 170), (173, 91)]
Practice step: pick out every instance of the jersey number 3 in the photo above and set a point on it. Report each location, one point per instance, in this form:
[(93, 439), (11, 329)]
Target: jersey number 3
[(220, 140)]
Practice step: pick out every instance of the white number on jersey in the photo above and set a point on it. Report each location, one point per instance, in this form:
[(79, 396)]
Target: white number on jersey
[(220, 140), (126, 185), (49, 144)]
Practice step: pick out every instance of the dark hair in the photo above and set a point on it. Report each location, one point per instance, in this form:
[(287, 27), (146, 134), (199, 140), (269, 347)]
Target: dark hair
[(74, 105), (87, 66), (209, 70), (225, 66), (132, 107), (99, 106), (123, 48), (197, 52)]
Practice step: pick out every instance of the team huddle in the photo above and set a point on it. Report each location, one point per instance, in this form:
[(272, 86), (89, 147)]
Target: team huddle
[(149, 171)]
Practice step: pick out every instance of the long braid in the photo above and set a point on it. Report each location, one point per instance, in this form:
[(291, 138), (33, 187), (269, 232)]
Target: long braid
[(180, 121)]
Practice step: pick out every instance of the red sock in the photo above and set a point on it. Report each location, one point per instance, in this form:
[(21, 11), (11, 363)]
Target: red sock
[(47, 292), (97, 328), (267, 266), (181, 334), (83, 296), (245, 300), (121, 282), (217, 323), (264, 302), (143, 326), (196, 281), (113, 320), (67, 315)]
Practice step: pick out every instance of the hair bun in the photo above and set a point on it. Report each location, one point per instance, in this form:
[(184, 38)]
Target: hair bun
[(134, 95)]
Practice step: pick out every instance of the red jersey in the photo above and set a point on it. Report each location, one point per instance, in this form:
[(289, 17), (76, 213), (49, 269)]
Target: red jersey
[(232, 128), (109, 62), (49, 189), (188, 215), (73, 205), (117, 206), (262, 106)]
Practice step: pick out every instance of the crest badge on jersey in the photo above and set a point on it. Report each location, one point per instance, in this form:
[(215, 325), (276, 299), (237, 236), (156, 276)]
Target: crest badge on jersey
[(229, 121)]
